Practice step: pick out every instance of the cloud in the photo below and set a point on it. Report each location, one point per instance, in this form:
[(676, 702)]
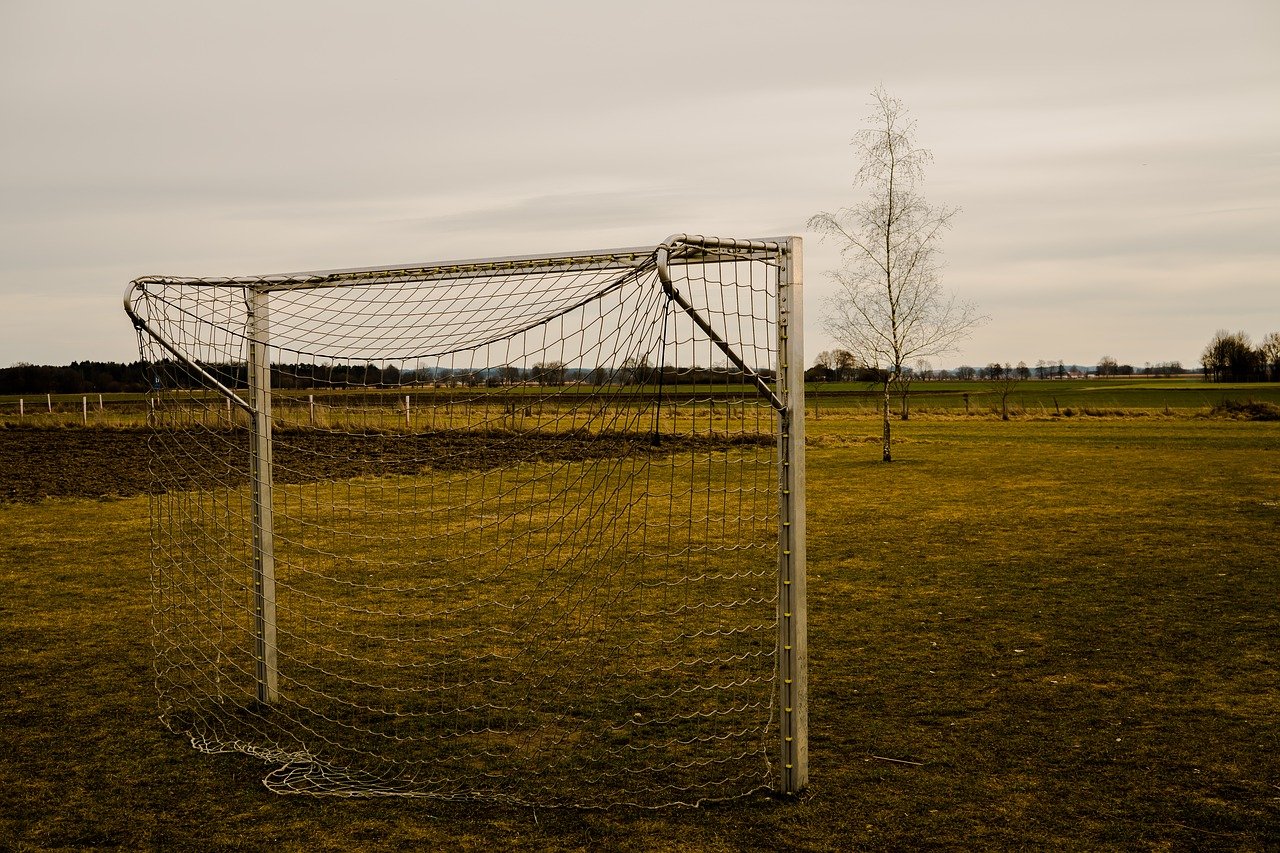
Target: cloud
[(1126, 148)]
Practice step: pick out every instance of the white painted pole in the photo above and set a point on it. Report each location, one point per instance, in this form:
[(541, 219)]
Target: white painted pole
[(22, 408), (311, 408), (406, 412), (49, 399), (100, 406), (264, 573), (84, 403), (793, 644)]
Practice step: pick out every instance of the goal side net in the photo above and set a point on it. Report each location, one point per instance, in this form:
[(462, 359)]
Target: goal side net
[(524, 530)]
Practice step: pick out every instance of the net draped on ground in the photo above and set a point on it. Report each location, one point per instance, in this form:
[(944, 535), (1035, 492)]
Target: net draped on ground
[(525, 521)]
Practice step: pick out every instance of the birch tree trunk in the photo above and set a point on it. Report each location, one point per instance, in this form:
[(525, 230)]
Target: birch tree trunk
[(888, 455)]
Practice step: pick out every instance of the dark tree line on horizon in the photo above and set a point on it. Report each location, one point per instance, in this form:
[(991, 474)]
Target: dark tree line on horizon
[(841, 366), (85, 377), (1229, 357), (78, 377)]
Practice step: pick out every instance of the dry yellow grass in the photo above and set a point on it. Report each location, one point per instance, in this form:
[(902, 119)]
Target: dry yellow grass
[(1051, 635)]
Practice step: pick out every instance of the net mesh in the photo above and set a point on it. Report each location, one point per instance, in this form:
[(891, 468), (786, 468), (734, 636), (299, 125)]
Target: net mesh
[(524, 525)]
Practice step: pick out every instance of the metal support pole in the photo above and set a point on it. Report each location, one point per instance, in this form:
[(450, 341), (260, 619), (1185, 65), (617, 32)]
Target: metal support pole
[(793, 648), (264, 574)]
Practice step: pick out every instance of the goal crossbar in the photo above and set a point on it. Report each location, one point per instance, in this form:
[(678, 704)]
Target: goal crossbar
[(682, 249)]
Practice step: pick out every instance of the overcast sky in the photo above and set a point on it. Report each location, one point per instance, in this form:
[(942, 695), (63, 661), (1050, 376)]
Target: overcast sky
[(1117, 163)]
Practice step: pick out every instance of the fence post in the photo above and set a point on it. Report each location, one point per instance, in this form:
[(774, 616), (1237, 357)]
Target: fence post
[(407, 424), (311, 408), (22, 408), (49, 399), (84, 404)]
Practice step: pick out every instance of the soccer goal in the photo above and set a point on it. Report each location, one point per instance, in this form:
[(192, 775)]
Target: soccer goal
[(523, 529)]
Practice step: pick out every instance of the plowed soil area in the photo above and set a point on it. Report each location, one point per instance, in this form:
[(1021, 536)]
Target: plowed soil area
[(92, 463)]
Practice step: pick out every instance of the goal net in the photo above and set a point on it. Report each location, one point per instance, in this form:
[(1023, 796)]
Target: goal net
[(524, 530)]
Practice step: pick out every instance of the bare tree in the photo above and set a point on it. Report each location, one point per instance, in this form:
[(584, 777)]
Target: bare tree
[(1004, 382), (846, 365), (512, 375), (636, 371), (548, 373), (1230, 357), (1270, 350), (889, 306)]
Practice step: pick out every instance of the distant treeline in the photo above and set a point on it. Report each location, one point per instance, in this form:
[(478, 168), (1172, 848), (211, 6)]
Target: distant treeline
[(843, 366), (82, 377), (78, 377), (1229, 357)]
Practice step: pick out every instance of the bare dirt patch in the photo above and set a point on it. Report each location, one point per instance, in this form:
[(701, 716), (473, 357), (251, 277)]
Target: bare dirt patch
[(92, 463)]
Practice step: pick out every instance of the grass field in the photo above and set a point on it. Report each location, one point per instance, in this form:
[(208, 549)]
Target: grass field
[(1049, 633), (1038, 398)]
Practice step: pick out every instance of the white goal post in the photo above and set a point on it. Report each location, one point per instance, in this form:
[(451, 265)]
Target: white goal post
[(525, 529)]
